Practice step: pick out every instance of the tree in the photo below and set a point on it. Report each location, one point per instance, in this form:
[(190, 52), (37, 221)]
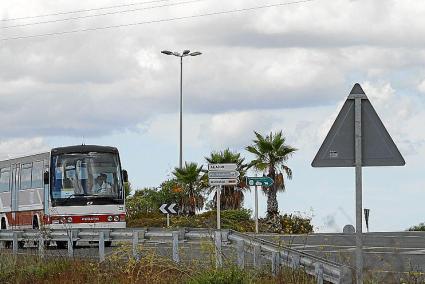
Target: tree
[(189, 178), (231, 197), (127, 189), (271, 154)]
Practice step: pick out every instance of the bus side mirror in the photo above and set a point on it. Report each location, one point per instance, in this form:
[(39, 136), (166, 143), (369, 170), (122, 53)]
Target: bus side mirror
[(124, 175), (46, 177)]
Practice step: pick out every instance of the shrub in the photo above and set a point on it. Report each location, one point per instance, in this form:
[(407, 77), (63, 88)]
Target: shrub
[(293, 224), (420, 227), (287, 224), (237, 215)]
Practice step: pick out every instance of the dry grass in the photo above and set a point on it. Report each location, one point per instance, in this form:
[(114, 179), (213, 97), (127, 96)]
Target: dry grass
[(121, 267)]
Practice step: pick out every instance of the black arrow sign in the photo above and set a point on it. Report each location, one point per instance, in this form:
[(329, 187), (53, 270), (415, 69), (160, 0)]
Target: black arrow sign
[(168, 208)]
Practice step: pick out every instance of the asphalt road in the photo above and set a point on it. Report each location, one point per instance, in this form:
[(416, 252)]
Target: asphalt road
[(393, 252)]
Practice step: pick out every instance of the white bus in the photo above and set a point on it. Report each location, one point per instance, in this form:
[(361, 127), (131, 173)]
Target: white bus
[(67, 188)]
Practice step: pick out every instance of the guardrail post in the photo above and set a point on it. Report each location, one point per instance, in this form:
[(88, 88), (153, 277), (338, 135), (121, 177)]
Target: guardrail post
[(257, 256), (275, 262), (318, 268), (70, 246), (15, 243), (41, 246), (218, 256), (346, 276), (101, 246), (295, 261), (176, 257), (182, 233), (225, 235), (135, 244), (241, 253)]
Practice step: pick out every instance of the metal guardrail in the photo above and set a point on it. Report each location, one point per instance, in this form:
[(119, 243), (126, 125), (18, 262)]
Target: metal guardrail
[(322, 269), (281, 255)]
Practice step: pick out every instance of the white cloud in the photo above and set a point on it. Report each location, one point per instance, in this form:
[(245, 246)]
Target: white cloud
[(286, 68), (20, 147)]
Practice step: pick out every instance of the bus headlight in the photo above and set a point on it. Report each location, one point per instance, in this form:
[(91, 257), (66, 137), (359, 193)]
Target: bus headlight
[(110, 219), (116, 218)]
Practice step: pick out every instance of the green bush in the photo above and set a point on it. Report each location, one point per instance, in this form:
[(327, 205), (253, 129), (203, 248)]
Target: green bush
[(420, 227), (287, 224), (238, 220), (294, 224), (237, 215)]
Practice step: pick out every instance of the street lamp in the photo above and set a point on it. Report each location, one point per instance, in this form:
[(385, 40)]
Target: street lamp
[(181, 55)]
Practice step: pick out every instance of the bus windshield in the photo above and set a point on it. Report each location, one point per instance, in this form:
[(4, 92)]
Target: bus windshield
[(86, 175)]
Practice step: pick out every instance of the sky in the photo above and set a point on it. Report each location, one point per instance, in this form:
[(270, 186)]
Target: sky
[(98, 77)]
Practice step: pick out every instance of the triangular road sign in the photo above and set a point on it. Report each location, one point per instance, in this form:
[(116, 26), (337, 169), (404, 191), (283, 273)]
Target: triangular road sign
[(378, 148)]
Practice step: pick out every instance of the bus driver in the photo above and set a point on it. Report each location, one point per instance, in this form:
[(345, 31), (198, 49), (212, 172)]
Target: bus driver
[(101, 185)]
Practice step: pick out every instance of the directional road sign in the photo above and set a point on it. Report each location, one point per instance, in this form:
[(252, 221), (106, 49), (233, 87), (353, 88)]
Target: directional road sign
[(222, 167), (168, 208), (219, 175), (259, 181), (338, 148), (224, 181), (223, 174)]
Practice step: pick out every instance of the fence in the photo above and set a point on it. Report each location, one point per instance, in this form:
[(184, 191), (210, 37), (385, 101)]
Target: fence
[(258, 249)]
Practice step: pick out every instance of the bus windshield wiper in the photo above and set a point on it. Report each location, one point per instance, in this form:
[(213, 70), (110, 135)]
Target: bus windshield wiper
[(75, 194), (72, 195)]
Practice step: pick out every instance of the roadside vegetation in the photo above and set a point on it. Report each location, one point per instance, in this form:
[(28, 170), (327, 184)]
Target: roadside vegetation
[(188, 188), (419, 227), (123, 269)]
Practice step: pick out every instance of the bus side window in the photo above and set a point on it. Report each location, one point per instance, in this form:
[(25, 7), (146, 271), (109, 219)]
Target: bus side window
[(26, 176), (4, 179), (37, 174)]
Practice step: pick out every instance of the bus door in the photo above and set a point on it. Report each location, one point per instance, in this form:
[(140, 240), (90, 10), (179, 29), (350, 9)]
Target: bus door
[(14, 189)]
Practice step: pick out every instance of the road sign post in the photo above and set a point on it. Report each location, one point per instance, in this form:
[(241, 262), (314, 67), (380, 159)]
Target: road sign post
[(258, 181), (357, 139), (358, 154), (218, 207), (219, 175), (256, 210)]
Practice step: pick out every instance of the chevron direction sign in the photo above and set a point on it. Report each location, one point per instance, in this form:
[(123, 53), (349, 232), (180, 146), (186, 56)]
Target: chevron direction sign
[(168, 208)]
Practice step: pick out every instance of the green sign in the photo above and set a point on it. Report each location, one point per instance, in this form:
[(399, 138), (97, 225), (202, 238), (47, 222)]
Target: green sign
[(259, 181)]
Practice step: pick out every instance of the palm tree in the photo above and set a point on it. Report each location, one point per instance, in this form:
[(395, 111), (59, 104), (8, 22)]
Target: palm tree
[(271, 154), (190, 179), (231, 197)]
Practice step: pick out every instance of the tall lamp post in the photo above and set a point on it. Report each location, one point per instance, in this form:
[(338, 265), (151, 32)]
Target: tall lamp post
[(181, 55)]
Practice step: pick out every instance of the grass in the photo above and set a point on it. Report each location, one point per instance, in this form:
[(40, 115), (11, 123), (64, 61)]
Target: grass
[(121, 267)]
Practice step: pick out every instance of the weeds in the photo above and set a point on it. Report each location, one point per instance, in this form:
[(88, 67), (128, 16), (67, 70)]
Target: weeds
[(150, 267)]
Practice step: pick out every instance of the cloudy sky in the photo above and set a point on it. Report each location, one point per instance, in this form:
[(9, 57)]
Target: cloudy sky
[(98, 77)]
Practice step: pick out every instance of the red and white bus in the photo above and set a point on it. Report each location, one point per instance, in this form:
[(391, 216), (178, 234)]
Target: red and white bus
[(67, 188)]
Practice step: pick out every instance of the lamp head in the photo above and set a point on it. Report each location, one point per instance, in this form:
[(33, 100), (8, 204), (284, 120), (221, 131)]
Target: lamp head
[(166, 52)]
